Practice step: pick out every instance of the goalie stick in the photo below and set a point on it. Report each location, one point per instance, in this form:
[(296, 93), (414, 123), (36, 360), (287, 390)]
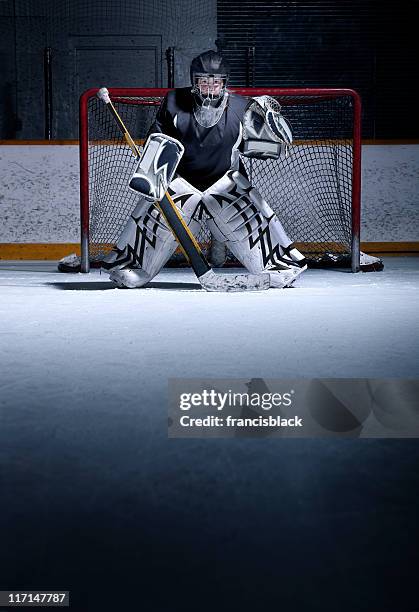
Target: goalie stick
[(209, 279)]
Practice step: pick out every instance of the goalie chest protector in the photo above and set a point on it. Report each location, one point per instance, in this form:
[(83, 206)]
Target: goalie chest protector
[(208, 151)]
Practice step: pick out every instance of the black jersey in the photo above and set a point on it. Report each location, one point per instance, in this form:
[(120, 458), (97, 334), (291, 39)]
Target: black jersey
[(209, 152)]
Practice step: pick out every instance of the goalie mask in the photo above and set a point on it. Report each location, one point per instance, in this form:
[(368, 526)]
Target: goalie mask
[(209, 76)]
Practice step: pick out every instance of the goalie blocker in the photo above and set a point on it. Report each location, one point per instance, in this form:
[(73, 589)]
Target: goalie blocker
[(157, 166)]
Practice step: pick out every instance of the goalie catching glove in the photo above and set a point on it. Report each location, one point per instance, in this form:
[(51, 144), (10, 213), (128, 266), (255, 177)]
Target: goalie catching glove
[(266, 132), (157, 166)]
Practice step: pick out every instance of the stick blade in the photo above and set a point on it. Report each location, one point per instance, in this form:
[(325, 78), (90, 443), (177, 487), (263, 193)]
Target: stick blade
[(220, 281)]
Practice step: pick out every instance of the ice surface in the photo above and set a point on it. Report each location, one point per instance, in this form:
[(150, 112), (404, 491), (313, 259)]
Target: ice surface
[(76, 339), (94, 494)]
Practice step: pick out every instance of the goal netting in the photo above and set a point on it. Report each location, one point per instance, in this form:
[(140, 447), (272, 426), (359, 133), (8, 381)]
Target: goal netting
[(315, 190)]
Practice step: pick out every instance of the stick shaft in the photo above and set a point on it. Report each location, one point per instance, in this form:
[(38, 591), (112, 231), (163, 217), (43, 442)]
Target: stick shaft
[(184, 236), (123, 129)]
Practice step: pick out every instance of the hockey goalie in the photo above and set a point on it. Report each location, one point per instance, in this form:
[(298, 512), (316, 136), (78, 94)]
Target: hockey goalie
[(194, 152)]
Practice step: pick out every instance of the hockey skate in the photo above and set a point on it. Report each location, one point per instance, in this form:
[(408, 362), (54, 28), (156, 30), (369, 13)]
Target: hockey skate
[(129, 278), (282, 277)]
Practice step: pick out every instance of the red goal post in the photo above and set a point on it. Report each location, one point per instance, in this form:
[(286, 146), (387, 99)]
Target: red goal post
[(316, 192)]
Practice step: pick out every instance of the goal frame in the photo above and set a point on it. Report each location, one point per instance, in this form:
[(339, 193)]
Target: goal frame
[(245, 91)]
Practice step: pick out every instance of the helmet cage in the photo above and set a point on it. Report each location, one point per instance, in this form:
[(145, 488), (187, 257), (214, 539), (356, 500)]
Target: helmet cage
[(210, 88)]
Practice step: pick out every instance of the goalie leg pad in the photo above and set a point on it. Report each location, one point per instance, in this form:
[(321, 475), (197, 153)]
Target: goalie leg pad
[(241, 218), (146, 242)]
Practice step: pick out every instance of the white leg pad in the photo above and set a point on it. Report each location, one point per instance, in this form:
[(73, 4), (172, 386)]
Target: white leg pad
[(146, 242), (240, 217)]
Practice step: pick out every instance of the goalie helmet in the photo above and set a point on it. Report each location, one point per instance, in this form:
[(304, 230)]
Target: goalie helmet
[(209, 76)]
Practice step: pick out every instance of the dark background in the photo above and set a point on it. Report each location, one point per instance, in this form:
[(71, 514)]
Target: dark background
[(97, 500), (366, 45)]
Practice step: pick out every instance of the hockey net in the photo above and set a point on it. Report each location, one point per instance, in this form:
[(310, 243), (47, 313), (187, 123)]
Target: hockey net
[(315, 190)]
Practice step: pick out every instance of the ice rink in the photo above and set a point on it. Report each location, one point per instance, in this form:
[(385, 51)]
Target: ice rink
[(97, 500), (76, 338)]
